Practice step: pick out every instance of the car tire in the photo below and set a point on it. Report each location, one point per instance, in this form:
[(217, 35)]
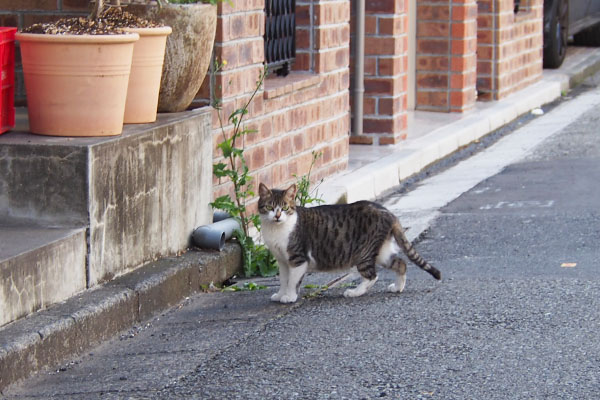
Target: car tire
[(588, 37), (555, 48)]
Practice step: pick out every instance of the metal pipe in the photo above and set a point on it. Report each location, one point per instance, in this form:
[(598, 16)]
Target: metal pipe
[(213, 236), (359, 68)]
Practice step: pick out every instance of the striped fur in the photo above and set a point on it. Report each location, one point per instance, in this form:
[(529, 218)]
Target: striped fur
[(333, 237)]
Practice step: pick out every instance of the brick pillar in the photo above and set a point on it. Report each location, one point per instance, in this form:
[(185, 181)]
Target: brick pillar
[(322, 36), (386, 64), (509, 54), (446, 55)]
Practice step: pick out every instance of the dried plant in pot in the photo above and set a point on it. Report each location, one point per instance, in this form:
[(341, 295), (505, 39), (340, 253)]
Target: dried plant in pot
[(76, 74), (189, 48)]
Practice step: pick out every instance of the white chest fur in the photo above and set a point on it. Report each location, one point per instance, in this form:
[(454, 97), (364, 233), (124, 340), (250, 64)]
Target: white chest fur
[(277, 235)]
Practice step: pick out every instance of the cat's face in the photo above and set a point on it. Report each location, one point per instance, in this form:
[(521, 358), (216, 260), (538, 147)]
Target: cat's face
[(276, 205)]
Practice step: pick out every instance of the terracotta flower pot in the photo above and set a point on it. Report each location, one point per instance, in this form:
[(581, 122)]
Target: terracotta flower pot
[(189, 50), (146, 71), (76, 85)]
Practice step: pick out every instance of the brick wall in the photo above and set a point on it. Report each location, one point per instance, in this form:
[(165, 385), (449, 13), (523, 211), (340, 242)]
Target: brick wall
[(22, 13), (386, 66), (509, 51), (446, 55), (306, 111), (295, 115)]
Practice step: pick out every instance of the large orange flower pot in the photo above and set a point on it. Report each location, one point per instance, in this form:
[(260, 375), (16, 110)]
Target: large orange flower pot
[(76, 85), (146, 71)]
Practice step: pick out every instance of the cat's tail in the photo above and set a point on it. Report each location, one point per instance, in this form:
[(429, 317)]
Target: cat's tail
[(411, 253)]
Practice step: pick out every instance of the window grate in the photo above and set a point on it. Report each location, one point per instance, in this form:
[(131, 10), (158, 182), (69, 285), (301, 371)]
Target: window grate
[(280, 35)]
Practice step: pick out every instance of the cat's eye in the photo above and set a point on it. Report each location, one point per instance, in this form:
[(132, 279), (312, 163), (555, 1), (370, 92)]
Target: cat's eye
[(269, 208), (285, 208)]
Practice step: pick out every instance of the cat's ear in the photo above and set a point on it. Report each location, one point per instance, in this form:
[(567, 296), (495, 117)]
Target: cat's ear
[(290, 193), (263, 191)]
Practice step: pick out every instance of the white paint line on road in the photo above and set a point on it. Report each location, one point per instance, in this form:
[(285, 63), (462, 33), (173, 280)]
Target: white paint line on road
[(418, 208)]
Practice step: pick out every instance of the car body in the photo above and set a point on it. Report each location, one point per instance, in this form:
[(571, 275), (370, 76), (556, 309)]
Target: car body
[(565, 18)]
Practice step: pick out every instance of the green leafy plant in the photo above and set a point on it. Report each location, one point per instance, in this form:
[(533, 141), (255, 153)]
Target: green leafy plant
[(304, 194), (256, 257), (247, 286)]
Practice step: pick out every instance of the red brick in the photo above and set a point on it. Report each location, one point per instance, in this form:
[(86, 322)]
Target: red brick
[(432, 63), (391, 106), (462, 100), (464, 12), (361, 139), (464, 29), (369, 105), (432, 80), (381, 86), (28, 5), (377, 45), (11, 20), (433, 29), (439, 12), (331, 13), (386, 140), (379, 125), (393, 26), (385, 6), (239, 6), (75, 5), (432, 99), (463, 46), (255, 157), (390, 66), (370, 25), (303, 15), (432, 46)]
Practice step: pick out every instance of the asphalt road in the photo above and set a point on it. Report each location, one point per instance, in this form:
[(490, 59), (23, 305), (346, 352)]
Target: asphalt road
[(516, 315)]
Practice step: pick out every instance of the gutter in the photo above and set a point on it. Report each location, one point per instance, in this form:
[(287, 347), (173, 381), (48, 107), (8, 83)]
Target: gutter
[(359, 69)]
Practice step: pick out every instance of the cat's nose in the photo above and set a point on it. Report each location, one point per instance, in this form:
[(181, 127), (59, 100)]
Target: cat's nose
[(278, 215)]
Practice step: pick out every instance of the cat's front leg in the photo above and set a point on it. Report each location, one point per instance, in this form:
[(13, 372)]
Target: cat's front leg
[(284, 270), (295, 275)]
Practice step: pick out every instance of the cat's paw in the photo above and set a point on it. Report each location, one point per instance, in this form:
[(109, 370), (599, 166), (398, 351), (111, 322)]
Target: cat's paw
[(276, 296), (288, 298), (353, 292), (393, 288)]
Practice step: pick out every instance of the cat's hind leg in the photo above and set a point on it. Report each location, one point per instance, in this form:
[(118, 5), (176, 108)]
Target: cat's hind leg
[(369, 277), (399, 266)]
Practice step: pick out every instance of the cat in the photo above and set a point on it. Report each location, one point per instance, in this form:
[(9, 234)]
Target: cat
[(333, 237)]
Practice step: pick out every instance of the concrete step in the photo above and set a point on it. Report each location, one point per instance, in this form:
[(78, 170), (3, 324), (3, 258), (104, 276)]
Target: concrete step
[(140, 194), (39, 266)]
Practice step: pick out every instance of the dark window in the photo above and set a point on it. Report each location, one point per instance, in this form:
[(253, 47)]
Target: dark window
[(280, 35)]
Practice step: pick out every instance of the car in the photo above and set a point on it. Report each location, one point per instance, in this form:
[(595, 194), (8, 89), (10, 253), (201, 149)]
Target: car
[(565, 18)]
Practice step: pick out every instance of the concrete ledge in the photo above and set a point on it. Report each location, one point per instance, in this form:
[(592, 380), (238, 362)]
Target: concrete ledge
[(46, 338), (139, 194)]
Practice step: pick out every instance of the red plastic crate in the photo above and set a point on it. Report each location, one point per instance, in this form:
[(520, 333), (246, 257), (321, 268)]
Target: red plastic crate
[(7, 82)]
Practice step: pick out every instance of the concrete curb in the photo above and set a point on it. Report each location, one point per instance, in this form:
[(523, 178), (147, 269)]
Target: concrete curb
[(45, 338), (371, 180)]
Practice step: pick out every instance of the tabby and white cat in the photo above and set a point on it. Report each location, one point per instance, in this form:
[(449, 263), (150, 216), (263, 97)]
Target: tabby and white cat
[(333, 237)]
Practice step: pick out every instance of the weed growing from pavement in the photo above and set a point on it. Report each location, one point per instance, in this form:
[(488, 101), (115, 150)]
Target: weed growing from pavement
[(256, 257)]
